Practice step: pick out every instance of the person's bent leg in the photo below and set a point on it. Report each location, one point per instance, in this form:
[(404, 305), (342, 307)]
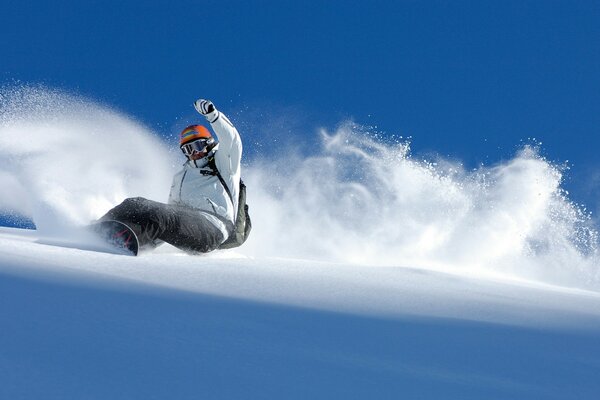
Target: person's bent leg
[(181, 227), (192, 231), (145, 217)]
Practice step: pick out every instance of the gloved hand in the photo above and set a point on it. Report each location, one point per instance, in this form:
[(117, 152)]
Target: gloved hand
[(206, 108)]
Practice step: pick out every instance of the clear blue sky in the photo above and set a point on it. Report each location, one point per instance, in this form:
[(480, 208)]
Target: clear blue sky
[(466, 79)]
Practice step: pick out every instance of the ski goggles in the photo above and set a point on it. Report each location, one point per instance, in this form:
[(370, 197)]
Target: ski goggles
[(197, 146)]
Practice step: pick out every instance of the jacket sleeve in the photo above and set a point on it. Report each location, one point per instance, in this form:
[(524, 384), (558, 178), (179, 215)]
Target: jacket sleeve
[(229, 154)]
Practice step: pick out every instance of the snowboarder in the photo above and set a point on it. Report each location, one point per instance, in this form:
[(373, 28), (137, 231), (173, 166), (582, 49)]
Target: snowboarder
[(203, 202)]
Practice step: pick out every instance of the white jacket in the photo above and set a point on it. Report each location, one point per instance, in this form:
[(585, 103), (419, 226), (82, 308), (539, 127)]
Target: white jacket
[(205, 192)]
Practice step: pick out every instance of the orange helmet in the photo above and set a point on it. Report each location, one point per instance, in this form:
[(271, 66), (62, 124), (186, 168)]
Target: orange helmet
[(196, 140), (193, 132)]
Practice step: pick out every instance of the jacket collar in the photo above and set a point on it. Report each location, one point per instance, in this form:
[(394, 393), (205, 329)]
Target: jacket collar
[(201, 163)]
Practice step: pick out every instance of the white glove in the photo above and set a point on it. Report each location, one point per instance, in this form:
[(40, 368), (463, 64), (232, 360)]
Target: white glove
[(207, 108)]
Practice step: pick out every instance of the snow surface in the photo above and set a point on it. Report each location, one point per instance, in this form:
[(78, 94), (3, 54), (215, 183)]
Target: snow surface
[(368, 274), (84, 324)]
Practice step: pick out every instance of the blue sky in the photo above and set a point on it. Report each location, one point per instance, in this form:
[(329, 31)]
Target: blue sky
[(470, 80)]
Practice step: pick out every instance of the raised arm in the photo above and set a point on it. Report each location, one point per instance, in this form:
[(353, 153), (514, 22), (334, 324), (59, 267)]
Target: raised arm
[(229, 138), (229, 153)]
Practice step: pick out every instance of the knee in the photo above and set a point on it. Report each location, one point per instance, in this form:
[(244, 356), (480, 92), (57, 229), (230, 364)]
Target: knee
[(137, 203), (129, 207), (133, 201)]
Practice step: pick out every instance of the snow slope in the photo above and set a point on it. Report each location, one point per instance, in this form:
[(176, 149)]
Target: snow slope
[(368, 274), (82, 324)]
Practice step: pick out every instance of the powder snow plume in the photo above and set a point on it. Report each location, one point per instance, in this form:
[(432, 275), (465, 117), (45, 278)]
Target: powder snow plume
[(66, 160), (361, 200), (353, 198)]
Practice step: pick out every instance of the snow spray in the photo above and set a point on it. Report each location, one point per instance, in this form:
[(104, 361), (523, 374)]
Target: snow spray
[(361, 200), (66, 160)]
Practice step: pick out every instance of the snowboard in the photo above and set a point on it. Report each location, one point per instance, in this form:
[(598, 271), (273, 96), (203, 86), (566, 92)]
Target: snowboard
[(118, 235)]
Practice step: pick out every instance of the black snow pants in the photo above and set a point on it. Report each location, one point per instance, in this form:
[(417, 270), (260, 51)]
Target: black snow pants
[(180, 226)]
